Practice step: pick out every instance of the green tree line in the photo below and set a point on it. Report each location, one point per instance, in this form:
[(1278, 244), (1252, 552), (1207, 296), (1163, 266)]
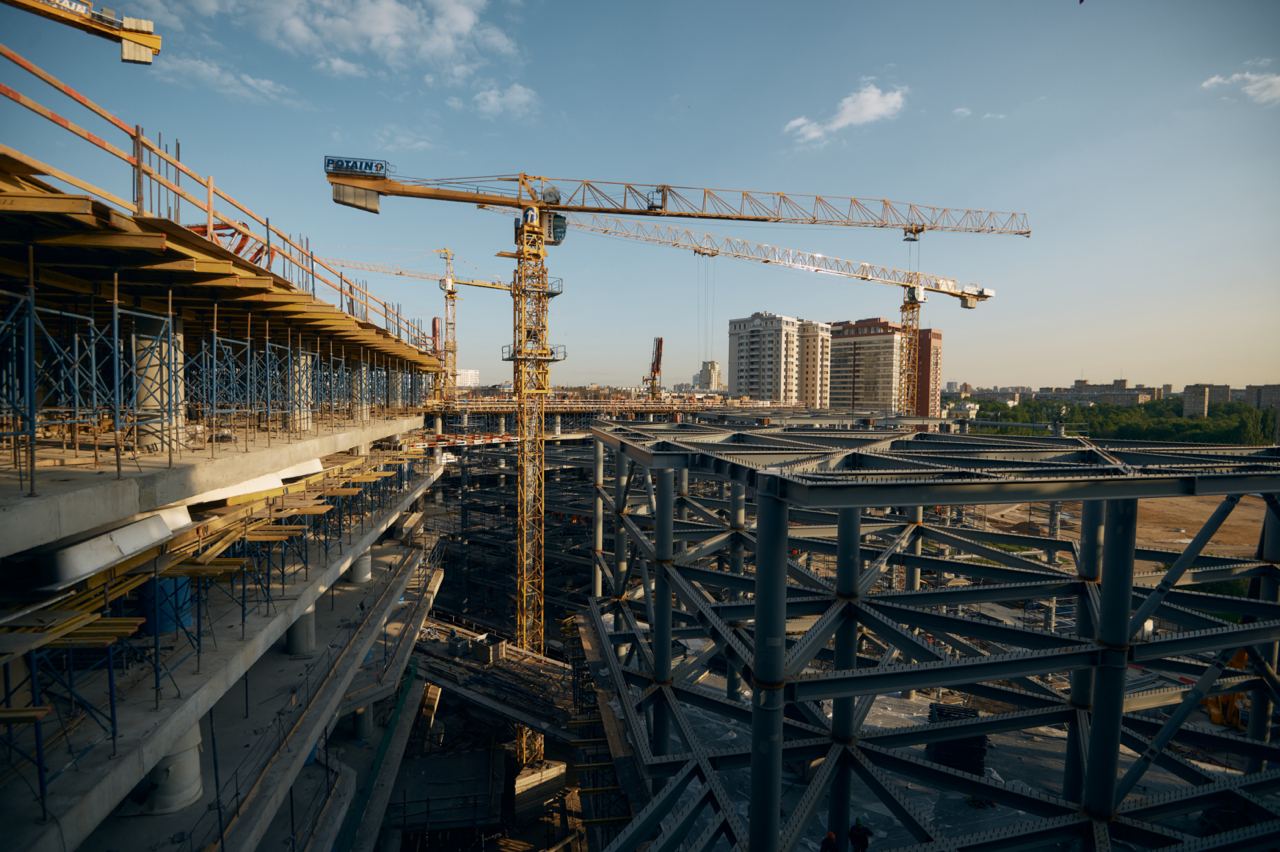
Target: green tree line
[(1161, 420)]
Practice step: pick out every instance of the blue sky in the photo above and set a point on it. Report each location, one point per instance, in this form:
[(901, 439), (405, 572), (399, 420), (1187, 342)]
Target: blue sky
[(1140, 137)]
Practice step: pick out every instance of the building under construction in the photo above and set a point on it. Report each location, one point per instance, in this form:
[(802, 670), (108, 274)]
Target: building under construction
[(269, 581)]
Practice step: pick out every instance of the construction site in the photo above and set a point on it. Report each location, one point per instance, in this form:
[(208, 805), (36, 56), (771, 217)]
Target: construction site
[(271, 579)]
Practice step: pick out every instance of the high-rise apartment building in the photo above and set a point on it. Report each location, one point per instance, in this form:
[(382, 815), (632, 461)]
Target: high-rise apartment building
[(1196, 399), (864, 364), (815, 364), (866, 367), (929, 374), (709, 378), (780, 359)]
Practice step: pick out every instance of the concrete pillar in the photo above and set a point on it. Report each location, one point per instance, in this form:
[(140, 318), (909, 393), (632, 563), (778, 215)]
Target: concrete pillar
[(1088, 570), (161, 393), (466, 421), (362, 569), (301, 637), (767, 701), (737, 552), (597, 519), (555, 425), (848, 571), (176, 777), (438, 426), (361, 391), (363, 721), (1113, 633), (649, 417), (664, 522), (301, 397), (1260, 707), (395, 388)]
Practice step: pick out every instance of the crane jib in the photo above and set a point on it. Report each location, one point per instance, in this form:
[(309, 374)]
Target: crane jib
[(356, 166)]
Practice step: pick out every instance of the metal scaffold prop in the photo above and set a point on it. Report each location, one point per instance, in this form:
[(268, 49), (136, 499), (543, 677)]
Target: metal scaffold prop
[(772, 592)]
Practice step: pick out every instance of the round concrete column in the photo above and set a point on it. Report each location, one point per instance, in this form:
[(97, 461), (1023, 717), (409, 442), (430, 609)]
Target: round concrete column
[(363, 718), (301, 637), (158, 373), (439, 425), (555, 425), (177, 779), (362, 569)]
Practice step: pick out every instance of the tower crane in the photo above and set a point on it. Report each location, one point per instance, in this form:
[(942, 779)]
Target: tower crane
[(653, 380), (137, 37), (447, 390), (542, 203), (915, 285)]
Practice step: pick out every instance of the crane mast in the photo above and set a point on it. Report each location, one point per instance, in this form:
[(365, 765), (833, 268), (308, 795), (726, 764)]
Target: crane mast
[(361, 183), (653, 379), (446, 390)]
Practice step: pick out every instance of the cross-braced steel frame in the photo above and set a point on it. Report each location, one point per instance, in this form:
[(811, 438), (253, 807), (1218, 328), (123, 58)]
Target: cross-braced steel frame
[(783, 620)]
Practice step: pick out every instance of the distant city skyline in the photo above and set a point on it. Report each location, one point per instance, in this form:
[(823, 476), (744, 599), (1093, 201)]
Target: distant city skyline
[(1139, 137)]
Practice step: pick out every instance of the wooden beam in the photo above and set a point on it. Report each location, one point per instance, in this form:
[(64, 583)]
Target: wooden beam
[(137, 242)]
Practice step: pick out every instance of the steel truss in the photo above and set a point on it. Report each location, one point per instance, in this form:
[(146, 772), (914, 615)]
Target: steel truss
[(834, 584)]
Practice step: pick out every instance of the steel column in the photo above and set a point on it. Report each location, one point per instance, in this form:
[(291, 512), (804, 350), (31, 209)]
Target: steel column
[(737, 550), (1260, 706), (767, 670), (597, 519), (848, 568), (1088, 569), (664, 537), (1113, 633)]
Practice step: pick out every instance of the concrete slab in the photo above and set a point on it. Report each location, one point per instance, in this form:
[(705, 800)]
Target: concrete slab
[(89, 789), (74, 500)]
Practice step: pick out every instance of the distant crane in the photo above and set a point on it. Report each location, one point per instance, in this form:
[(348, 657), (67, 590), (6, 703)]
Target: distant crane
[(914, 284), (653, 380), (137, 37), (542, 205), (447, 390)]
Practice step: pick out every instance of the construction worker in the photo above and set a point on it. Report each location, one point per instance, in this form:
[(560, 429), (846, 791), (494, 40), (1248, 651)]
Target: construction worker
[(828, 843), (859, 836)]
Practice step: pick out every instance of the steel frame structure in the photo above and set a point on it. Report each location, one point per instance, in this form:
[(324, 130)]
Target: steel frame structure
[(696, 581)]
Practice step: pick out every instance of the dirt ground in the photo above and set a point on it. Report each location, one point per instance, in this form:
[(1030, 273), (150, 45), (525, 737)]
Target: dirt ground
[(1166, 524)]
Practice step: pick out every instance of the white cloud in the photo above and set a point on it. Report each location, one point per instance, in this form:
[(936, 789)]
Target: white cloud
[(336, 66), (515, 101), (962, 112), (453, 102), (1258, 62), (443, 35), (995, 115), (864, 106), (395, 137), (1262, 89), (235, 84)]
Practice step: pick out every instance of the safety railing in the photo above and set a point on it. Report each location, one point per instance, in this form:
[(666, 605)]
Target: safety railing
[(163, 186)]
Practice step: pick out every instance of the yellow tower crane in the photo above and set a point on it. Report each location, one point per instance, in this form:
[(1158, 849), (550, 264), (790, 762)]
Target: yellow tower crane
[(137, 36), (447, 389), (542, 203), (915, 285)]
